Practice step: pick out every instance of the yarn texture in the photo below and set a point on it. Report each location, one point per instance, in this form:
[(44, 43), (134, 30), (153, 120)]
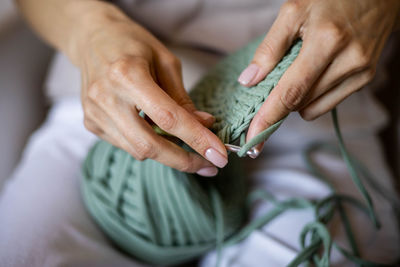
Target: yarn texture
[(158, 214), (234, 105), (162, 216)]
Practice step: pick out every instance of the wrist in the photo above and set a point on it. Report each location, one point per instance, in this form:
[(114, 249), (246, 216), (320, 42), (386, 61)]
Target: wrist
[(91, 18)]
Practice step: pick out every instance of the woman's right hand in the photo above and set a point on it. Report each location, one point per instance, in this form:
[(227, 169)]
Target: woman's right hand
[(125, 69)]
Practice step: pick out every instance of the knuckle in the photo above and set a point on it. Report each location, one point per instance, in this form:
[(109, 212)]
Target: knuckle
[(364, 61), (88, 124), (308, 115), (177, 63), (121, 68), (138, 157), (366, 77), (290, 8), (187, 164), (91, 126), (98, 93), (144, 150), (370, 73), (198, 140), (265, 49), (292, 97), (332, 34), (167, 119), (185, 101), (362, 57), (95, 91), (173, 61)]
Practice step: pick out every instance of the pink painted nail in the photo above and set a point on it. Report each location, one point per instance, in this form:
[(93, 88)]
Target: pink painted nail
[(208, 171), (215, 157), (248, 74)]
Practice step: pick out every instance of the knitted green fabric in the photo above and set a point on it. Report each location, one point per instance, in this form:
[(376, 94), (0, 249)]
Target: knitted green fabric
[(162, 216), (233, 105)]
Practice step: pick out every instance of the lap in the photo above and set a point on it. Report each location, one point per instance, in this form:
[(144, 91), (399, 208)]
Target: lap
[(284, 173), (42, 215), (45, 223)]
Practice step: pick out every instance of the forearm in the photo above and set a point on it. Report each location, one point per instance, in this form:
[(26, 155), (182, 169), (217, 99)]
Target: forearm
[(66, 24)]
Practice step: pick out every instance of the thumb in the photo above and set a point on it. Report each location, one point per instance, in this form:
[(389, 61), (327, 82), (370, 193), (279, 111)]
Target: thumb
[(271, 50)]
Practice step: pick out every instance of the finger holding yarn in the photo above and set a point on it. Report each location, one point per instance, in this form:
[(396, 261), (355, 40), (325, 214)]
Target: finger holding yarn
[(162, 216), (234, 105), (156, 213)]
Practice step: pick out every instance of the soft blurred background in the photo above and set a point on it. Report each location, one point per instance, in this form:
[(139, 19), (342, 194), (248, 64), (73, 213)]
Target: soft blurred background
[(24, 61)]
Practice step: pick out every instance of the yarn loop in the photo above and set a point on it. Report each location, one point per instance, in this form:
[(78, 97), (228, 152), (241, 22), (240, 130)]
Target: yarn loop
[(162, 216)]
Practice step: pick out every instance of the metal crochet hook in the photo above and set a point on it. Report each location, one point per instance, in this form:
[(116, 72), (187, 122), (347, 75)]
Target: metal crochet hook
[(252, 153)]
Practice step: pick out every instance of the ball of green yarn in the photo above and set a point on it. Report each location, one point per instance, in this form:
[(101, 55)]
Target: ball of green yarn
[(163, 216), (156, 213)]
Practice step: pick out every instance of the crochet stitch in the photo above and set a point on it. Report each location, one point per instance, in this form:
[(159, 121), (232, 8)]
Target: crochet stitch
[(234, 105), (162, 216)]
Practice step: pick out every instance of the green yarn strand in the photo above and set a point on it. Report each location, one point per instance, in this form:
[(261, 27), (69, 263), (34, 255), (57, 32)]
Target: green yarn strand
[(352, 171), (234, 105), (162, 216)]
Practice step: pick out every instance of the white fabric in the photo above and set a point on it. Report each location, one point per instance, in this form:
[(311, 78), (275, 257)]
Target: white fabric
[(42, 217), (48, 175), (44, 222)]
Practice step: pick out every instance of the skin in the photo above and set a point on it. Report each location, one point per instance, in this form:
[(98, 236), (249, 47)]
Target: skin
[(125, 69), (342, 42)]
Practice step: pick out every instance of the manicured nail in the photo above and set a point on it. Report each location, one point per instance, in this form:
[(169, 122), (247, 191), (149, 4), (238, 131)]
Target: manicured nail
[(204, 115), (248, 74), (208, 171), (216, 158)]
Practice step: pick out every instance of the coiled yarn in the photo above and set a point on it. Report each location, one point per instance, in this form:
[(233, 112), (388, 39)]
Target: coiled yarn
[(156, 213), (162, 216)]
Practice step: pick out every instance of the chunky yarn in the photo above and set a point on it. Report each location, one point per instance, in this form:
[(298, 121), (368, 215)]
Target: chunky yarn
[(233, 105), (156, 213), (162, 216)]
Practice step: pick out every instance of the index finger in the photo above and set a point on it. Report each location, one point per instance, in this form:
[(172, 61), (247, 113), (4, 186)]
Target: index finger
[(293, 86), (168, 115)]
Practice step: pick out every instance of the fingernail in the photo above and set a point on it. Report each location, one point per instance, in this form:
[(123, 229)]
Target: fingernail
[(204, 115), (208, 171), (248, 74), (216, 158)]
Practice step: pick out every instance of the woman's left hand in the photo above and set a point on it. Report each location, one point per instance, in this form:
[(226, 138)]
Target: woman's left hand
[(342, 41)]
